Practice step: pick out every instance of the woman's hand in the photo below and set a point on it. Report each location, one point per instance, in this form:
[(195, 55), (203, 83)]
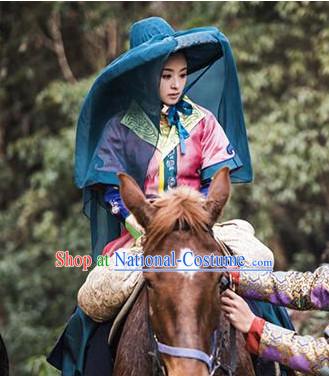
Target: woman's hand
[(237, 311)]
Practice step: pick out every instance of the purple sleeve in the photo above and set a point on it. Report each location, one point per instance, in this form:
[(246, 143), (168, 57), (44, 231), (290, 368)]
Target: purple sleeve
[(297, 290)]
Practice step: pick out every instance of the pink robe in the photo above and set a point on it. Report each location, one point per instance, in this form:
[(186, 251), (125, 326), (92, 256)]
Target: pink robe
[(207, 147)]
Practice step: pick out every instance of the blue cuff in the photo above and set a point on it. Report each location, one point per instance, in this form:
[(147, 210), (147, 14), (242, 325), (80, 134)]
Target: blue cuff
[(233, 164), (113, 198)]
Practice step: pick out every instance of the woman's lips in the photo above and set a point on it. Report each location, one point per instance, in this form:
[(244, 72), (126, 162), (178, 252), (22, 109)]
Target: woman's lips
[(173, 95)]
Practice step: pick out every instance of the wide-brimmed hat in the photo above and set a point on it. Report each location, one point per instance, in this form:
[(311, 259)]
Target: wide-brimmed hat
[(201, 45)]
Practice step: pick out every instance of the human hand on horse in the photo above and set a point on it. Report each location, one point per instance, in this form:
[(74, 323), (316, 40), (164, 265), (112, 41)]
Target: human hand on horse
[(237, 311)]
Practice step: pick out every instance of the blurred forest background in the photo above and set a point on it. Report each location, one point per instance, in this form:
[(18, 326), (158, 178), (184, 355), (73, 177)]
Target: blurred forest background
[(50, 54)]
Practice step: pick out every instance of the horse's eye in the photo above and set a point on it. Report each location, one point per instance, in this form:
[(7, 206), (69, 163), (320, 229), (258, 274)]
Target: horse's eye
[(148, 284)]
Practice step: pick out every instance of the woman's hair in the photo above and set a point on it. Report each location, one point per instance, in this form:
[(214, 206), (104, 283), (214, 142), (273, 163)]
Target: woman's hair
[(179, 52)]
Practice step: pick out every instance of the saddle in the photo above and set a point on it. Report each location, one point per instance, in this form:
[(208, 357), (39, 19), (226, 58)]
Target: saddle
[(120, 318)]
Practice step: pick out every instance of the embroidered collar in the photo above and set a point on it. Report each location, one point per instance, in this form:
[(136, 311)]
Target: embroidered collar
[(137, 121)]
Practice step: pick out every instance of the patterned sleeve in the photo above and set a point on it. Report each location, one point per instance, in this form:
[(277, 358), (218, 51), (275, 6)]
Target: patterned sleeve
[(297, 290), (301, 353), (217, 152), (106, 289)]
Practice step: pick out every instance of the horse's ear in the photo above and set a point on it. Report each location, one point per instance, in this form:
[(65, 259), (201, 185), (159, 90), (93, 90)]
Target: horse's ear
[(135, 199), (218, 194)]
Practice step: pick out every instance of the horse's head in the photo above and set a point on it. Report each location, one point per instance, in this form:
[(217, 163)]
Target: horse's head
[(184, 303)]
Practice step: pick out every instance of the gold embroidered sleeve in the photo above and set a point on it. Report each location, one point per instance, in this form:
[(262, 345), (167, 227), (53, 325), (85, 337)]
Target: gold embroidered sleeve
[(105, 290), (301, 353), (297, 290)]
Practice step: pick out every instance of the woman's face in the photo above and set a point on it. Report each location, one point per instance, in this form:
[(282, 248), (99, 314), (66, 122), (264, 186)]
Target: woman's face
[(173, 79)]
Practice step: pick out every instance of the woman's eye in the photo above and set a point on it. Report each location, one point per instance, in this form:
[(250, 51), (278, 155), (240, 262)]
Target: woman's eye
[(166, 76), (183, 75)]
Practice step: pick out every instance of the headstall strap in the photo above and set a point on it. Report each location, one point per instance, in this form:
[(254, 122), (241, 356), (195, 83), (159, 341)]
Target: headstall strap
[(228, 282), (158, 369), (213, 361)]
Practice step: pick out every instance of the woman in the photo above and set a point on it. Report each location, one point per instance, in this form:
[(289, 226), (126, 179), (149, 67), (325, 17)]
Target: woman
[(302, 291), (174, 162), (162, 139)]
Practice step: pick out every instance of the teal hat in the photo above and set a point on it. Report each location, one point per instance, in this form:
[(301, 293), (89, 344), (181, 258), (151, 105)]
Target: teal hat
[(143, 30), (199, 45)]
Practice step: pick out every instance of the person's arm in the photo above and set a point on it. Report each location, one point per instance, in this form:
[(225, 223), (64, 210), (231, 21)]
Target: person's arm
[(118, 208), (297, 290), (301, 353), (106, 288), (216, 150)]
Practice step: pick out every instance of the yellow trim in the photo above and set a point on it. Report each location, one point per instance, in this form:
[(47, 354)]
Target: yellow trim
[(161, 177)]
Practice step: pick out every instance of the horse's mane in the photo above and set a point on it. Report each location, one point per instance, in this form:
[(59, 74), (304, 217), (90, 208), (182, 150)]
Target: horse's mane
[(178, 208)]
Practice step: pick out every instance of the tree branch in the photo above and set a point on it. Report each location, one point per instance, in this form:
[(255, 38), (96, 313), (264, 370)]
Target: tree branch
[(112, 39), (58, 46)]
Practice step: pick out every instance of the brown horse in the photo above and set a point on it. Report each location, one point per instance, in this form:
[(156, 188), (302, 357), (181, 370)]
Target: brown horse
[(176, 327)]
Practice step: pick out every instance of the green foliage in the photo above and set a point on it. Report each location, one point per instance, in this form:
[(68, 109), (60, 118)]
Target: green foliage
[(282, 53), (38, 366), (44, 218)]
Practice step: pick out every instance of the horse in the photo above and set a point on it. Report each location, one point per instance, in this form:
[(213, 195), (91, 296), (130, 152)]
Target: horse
[(176, 326)]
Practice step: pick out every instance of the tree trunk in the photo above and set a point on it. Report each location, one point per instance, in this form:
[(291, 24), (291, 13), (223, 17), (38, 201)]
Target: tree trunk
[(58, 46)]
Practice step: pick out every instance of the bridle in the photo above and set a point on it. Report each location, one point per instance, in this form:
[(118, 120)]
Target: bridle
[(213, 361)]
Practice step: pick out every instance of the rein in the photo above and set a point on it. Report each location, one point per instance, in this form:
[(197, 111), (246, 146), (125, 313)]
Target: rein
[(213, 361)]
